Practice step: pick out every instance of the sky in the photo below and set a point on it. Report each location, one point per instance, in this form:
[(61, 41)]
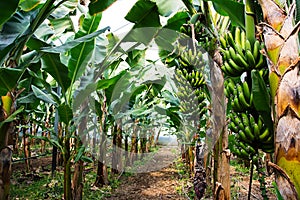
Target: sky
[(114, 16)]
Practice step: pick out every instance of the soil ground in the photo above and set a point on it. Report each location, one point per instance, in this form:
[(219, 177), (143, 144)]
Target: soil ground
[(157, 177)]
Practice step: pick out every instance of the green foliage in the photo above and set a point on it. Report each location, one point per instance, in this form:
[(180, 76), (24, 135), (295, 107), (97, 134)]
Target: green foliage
[(81, 54), (43, 95), (235, 10), (65, 113), (96, 6), (261, 98), (8, 10), (9, 78), (29, 5), (51, 63)]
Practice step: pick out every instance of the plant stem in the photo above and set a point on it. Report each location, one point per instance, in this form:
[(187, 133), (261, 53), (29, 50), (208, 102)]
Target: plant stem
[(189, 6), (251, 177), (67, 166), (250, 21)]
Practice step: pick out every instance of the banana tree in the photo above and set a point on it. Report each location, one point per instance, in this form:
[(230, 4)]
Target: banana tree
[(19, 23), (280, 34)]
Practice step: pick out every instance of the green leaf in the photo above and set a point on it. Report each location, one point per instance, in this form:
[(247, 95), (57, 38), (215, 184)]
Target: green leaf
[(7, 10), (60, 25), (8, 79), (65, 113), (86, 159), (79, 154), (106, 83), (65, 8), (261, 98), (51, 64), (12, 117), (235, 10), (177, 20), (98, 108), (51, 141), (97, 6), (278, 194), (166, 8), (11, 32), (43, 96), (28, 5), (81, 54), (72, 44), (144, 14), (174, 117)]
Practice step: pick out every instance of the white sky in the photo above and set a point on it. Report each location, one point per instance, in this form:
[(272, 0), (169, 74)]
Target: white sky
[(114, 16)]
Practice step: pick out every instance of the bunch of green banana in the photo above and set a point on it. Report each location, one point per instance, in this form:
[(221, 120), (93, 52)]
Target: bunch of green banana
[(239, 55), (243, 150), (198, 26), (194, 78), (239, 94), (252, 131), (192, 58)]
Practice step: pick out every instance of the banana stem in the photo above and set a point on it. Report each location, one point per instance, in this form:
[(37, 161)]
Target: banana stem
[(250, 20), (251, 177), (190, 7)]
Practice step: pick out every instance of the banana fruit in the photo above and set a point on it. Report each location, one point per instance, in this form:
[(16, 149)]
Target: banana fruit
[(239, 55), (239, 95), (251, 131)]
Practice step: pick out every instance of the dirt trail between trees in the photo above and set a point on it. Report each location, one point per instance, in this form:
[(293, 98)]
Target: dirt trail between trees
[(156, 179)]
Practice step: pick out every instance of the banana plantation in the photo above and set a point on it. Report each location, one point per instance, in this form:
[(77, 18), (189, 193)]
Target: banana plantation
[(90, 103)]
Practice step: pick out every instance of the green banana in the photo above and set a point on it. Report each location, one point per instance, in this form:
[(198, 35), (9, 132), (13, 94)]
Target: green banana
[(230, 39), (230, 71), (233, 127), (269, 140), (250, 59), (237, 35), (256, 130), (260, 62), (238, 69), (271, 150), (238, 122), (241, 62), (239, 51), (251, 150), (245, 119), (244, 154), (223, 42), (227, 54), (236, 105), (251, 120), (248, 46), (195, 18), (256, 48), (242, 136), (268, 148), (260, 122), (249, 134), (241, 97), (232, 52), (246, 91), (264, 135), (231, 86), (243, 39)]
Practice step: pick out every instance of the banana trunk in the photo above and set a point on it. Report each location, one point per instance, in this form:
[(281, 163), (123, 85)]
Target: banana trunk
[(5, 151), (281, 39)]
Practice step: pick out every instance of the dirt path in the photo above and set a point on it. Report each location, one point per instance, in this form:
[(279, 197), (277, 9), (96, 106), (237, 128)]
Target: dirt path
[(156, 179)]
